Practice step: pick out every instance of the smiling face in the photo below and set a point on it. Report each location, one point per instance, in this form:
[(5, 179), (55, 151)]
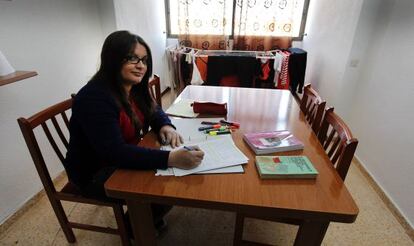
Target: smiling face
[(135, 66)]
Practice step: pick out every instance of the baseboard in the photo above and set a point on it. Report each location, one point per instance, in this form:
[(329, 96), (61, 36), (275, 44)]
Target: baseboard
[(384, 197), (27, 205)]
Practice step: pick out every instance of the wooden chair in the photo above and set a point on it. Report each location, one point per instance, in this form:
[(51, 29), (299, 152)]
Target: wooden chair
[(155, 89), (312, 106), (338, 142), (46, 118)]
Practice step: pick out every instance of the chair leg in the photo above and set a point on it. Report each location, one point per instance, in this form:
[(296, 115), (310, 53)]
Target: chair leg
[(121, 221), (63, 220), (238, 230)]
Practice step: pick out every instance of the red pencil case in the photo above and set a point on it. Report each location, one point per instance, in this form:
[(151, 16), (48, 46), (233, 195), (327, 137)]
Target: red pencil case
[(210, 108)]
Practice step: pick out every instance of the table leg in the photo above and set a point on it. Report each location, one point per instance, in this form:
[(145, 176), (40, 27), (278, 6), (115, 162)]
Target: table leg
[(311, 233), (141, 220), (238, 230)]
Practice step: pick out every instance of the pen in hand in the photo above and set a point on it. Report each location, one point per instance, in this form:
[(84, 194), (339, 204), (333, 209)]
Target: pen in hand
[(190, 148)]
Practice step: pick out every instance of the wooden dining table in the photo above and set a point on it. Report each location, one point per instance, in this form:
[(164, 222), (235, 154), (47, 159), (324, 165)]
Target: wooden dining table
[(316, 202)]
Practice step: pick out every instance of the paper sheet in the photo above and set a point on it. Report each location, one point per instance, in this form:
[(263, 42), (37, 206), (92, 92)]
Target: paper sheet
[(218, 153), (182, 108), (232, 169), (188, 129)]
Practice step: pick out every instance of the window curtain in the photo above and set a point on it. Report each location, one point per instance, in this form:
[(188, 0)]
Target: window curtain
[(258, 24), (266, 24), (197, 17)]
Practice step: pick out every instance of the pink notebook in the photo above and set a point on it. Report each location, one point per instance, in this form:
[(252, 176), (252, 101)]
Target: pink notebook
[(272, 142)]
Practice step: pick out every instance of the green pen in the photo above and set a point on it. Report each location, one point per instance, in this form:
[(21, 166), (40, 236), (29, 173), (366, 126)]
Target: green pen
[(223, 128)]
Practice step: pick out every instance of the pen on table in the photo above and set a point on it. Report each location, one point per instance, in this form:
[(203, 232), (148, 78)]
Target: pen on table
[(216, 129), (216, 126), (213, 133), (235, 124), (209, 123)]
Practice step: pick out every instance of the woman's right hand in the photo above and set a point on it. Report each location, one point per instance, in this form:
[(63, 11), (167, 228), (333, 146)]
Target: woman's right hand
[(185, 159)]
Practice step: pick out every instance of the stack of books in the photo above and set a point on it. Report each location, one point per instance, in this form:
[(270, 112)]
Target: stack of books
[(272, 142), (279, 167)]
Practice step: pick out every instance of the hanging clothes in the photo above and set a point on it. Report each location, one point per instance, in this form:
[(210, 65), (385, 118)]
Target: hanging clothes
[(277, 66), (244, 67), (196, 77), (264, 69), (265, 79), (297, 68), (283, 78), (185, 68), (171, 68), (201, 63)]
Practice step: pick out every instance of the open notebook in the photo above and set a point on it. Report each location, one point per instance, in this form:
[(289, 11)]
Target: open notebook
[(221, 154)]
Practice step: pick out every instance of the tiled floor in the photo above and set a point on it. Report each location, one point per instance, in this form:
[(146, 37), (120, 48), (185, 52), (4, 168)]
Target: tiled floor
[(375, 224)]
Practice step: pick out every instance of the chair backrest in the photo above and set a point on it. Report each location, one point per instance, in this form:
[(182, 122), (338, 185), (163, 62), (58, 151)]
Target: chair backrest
[(46, 118), (155, 89), (338, 142), (312, 106), (50, 117)]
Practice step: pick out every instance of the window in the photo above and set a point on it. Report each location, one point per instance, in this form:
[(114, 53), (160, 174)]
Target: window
[(237, 17)]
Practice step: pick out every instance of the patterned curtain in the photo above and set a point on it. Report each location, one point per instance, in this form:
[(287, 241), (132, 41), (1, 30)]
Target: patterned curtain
[(266, 24), (258, 24), (198, 17)]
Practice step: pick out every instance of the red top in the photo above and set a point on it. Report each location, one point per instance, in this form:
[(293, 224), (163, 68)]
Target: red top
[(127, 128)]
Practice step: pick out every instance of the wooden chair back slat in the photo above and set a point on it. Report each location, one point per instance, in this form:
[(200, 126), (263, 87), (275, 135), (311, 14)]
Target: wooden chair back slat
[(342, 149), (312, 113), (46, 114), (59, 132), (65, 119), (329, 140), (154, 86), (52, 142), (338, 153), (36, 154), (312, 106), (333, 147)]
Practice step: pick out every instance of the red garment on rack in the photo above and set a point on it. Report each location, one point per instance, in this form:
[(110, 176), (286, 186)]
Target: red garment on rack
[(284, 79), (265, 71)]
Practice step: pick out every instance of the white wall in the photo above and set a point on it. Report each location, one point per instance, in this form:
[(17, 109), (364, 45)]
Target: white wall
[(147, 19), (59, 39), (360, 56), (330, 31), (107, 16), (382, 110)]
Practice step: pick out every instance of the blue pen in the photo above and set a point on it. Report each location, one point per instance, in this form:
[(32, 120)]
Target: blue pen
[(209, 123), (203, 128)]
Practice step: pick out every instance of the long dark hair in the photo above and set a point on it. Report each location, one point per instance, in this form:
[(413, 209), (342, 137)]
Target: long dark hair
[(117, 46)]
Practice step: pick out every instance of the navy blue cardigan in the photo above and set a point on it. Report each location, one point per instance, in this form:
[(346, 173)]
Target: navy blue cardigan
[(96, 139)]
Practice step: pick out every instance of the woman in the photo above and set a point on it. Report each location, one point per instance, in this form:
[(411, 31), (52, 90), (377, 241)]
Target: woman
[(110, 115)]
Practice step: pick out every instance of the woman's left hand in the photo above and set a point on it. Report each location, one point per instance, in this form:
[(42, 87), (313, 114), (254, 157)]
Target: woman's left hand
[(170, 136)]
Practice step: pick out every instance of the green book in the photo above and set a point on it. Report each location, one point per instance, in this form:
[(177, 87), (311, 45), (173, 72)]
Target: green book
[(289, 167)]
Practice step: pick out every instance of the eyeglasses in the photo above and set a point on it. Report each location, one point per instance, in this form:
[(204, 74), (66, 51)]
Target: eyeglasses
[(133, 59)]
